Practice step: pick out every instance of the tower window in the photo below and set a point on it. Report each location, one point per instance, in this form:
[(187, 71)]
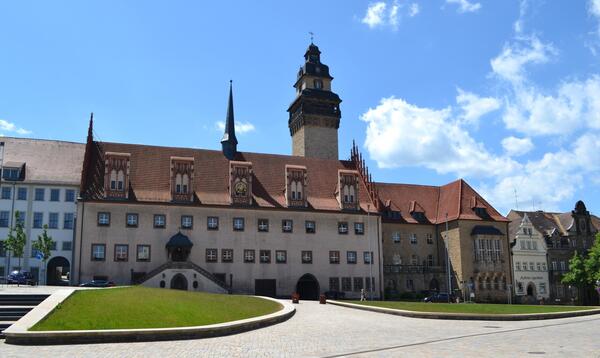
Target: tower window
[(318, 84)]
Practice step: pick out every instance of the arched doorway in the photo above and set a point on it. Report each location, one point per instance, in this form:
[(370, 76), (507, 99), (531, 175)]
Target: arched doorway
[(58, 271), (308, 287), (179, 282), (531, 289), (434, 285)]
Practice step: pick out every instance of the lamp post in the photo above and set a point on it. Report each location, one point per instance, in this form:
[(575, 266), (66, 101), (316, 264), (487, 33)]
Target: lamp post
[(367, 227), (446, 241)]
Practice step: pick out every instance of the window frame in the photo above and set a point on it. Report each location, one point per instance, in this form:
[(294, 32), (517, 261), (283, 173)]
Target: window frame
[(164, 221), (264, 224), (69, 192), (93, 245), (208, 223), (283, 226), (238, 220), (37, 191), (208, 257), (71, 222), (132, 215), (224, 253), (332, 257), (341, 225), (6, 189), (102, 213), (126, 246), (260, 257), (246, 252), (54, 190), (348, 254), (191, 226), (358, 231), (137, 253), (306, 257), (21, 190), (41, 223), (370, 255), (307, 226), (277, 253)]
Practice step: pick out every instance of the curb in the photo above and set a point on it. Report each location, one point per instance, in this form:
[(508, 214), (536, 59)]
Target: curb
[(19, 334), (468, 316)]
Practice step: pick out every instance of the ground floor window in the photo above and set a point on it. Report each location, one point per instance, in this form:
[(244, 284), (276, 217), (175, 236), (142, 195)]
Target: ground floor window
[(346, 284), (143, 252), (211, 255), (98, 252), (307, 257), (227, 255), (249, 255), (121, 252), (358, 284), (265, 256), (280, 256), (542, 288), (334, 284)]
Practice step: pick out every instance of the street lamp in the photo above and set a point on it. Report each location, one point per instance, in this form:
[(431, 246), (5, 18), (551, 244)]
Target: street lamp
[(367, 227)]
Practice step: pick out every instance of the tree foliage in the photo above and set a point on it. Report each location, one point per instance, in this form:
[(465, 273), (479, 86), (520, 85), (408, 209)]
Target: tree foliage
[(16, 240), (584, 270), (44, 244), (592, 262)]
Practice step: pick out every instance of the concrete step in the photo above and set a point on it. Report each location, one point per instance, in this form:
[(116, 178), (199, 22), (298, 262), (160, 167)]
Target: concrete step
[(21, 299), (4, 325)]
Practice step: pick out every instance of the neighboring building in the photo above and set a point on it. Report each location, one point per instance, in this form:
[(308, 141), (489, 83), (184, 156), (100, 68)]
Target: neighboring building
[(564, 234), (414, 220), (233, 221), (40, 180), (530, 265)]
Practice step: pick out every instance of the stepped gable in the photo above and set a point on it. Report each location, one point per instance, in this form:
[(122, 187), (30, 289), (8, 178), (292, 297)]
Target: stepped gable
[(150, 176)]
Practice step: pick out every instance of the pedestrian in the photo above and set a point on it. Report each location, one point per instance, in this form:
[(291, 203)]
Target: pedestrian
[(362, 294)]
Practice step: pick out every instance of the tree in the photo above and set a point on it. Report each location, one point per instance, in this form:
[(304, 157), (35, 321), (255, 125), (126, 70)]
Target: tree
[(592, 262), (43, 245), (16, 240), (577, 274)]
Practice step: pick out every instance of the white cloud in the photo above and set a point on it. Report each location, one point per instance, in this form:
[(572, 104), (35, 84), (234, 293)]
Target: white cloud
[(514, 146), (413, 9), (465, 5), (240, 127), (11, 127), (401, 134), (474, 107), (510, 63), (519, 25), (375, 15)]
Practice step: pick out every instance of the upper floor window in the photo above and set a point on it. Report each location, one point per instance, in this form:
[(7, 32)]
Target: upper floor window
[(342, 227), (212, 223), (307, 257), (367, 257), (53, 220), (296, 189), (211, 255), (132, 220), (318, 84), (263, 225), (54, 194), (396, 237), (334, 257), (68, 221), (227, 255), (310, 227), (6, 192), (414, 260), (160, 221), (187, 221), (69, 195), (349, 193), (351, 257), (182, 183), (238, 224), (39, 194), (143, 253), (38, 220), (280, 256), (265, 256), (117, 180), (287, 225), (22, 194), (103, 219), (121, 252), (430, 260), (429, 239), (518, 266), (249, 255), (11, 174), (98, 252), (413, 239), (359, 228)]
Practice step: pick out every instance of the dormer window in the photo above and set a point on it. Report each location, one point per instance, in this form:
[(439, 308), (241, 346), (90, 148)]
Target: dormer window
[(116, 174), (11, 174), (296, 185), (117, 180), (182, 174), (348, 189), (240, 182)]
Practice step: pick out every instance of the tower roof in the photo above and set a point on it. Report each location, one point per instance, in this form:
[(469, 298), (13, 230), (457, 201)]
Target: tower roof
[(229, 141)]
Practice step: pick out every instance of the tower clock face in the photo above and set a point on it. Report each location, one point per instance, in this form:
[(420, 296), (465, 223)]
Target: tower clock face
[(241, 188)]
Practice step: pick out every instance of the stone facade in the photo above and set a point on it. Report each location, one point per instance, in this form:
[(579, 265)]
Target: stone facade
[(313, 141)]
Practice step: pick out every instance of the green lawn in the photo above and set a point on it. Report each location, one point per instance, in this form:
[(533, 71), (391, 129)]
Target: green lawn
[(142, 307), (480, 308)]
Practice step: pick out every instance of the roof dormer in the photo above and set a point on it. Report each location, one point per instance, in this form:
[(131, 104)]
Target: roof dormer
[(240, 182), (13, 171), (182, 179), (296, 185), (348, 189), (116, 175)]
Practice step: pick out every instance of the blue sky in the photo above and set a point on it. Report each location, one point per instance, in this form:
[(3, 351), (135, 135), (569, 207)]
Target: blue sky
[(503, 93)]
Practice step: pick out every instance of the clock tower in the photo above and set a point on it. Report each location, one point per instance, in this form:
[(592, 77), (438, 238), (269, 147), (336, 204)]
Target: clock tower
[(315, 112)]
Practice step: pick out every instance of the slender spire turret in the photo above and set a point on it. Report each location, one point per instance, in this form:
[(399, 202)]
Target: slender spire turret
[(229, 141)]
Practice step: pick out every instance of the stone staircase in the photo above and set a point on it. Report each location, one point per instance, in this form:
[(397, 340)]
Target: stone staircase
[(186, 265), (15, 306)]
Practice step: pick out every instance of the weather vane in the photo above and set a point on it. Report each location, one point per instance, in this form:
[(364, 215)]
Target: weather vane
[(312, 35)]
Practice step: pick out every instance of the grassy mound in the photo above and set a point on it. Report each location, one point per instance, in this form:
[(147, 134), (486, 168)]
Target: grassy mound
[(475, 308), (142, 307)]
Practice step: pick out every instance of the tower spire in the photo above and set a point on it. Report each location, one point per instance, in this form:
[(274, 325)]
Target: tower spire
[(229, 141)]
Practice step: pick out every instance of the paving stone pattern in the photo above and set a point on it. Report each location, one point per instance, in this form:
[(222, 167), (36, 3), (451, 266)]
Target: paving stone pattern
[(331, 331)]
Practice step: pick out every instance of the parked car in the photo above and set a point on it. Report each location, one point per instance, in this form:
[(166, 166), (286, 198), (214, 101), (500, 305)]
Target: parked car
[(441, 297), (98, 283), (21, 278), (334, 295)]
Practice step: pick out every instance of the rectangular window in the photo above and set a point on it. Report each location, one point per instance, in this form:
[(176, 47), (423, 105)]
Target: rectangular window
[(70, 195), (396, 237), (187, 221), (542, 288), (413, 239), (4, 218), (281, 256), (103, 219), (534, 245), (121, 252), (531, 267), (334, 257), (67, 245), (20, 217), (68, 220), (310, 227), (554, 267), (522, 245), (429, 239), (38, 220), (543, 266), (143, 253), (342, 227), (11, 174), (160, 221), (265, 256), (249, 255), (6, 192), (263, 225), (227, 255), (358, 284), (98, 252), (238, 224), (53, 221), (351, 257), (367, 257), (212, 223), (54, 194), (539, 266), (563, 266), (211, 255), (131, 220), (287, 225), (53, 246), (39, 194), (334, 284), (307, 257), (346, 284), (22, 194), (517, 266), (2, 249), (430, 260), (359, 228)]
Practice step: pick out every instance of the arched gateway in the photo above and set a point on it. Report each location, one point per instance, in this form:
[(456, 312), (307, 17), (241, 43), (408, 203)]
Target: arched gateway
[(57, 271), (308, 287), (179, 282)]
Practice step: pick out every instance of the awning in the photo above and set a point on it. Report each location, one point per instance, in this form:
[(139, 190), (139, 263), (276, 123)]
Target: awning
[(179, 240)]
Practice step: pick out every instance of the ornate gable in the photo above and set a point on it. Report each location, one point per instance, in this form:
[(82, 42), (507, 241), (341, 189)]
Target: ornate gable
[(348, 189), (182, 179), (116, 175), (296, 185), (240, 183)]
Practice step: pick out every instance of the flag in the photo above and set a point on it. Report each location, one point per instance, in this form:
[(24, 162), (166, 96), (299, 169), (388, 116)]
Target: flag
[(39, 256)]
